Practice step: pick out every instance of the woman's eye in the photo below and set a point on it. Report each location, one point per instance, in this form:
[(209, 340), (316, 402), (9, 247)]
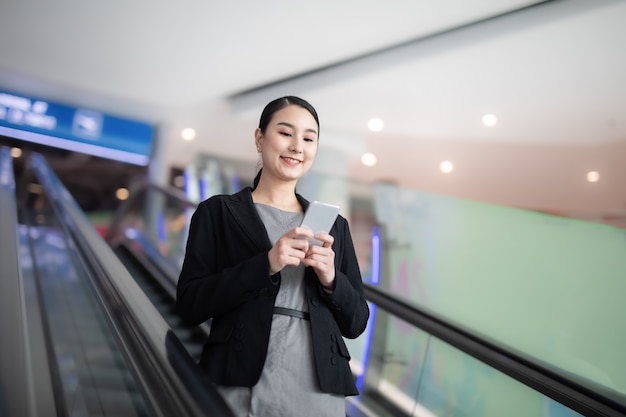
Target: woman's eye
[(285, 133), (309, 140)]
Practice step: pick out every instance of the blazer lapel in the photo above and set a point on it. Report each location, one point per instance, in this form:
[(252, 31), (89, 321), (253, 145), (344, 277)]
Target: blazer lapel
[(241, 207)]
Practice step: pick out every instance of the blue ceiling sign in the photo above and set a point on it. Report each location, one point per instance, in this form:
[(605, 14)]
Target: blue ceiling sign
[(75, 129)]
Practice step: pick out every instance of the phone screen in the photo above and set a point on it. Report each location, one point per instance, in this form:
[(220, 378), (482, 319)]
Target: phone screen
[(319, 218)]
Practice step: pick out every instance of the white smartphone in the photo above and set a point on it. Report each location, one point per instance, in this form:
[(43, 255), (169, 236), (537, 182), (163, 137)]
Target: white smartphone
[(319, 218)]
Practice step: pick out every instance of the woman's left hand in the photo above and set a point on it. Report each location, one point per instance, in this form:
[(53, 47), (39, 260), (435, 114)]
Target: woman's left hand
[(322, 259)]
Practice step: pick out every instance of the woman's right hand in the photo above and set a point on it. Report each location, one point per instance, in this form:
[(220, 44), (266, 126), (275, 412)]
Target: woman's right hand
[(289, 250)]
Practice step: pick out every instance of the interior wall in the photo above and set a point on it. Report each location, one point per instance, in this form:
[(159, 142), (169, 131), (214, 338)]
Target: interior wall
[(547, 178)]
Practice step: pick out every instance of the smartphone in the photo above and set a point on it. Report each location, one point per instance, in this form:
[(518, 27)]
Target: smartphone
[(319, 218)]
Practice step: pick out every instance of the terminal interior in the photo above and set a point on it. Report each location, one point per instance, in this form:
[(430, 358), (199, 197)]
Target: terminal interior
[(503, 298)]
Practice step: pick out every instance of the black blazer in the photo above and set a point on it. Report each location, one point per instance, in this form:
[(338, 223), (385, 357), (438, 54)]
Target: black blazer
[(225, 276)]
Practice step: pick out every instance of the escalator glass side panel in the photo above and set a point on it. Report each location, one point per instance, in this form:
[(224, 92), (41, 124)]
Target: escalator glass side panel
[(412, 373), (92, 372), (532, 283), (394, 365), (456, 384), (158, 217)]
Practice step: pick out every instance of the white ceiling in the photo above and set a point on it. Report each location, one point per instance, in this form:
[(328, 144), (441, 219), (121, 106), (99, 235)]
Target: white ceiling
[(552, 72)]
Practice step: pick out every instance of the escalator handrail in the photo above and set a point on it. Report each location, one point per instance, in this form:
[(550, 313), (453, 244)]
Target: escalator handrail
[(169, 377), (555, 385)]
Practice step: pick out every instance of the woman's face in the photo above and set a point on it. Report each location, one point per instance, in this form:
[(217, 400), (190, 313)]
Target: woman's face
[(289, 144)]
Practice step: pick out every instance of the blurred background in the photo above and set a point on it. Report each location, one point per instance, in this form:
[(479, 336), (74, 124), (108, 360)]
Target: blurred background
[(478, 150), (525, 100)]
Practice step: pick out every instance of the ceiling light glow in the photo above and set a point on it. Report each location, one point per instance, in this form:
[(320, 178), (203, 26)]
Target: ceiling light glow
[(179, 181), (188, 134), (375, 124), (369, 159), (446, 167), (593, 176), (490, 120), (122, 194)]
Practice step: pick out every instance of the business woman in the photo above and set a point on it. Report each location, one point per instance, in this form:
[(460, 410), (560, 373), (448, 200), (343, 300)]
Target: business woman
[(280, 307)]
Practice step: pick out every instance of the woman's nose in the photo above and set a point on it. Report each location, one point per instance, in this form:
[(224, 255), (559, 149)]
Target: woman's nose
[(296, 145)]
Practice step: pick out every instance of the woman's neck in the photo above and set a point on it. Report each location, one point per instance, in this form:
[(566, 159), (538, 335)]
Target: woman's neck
[(281, 196)]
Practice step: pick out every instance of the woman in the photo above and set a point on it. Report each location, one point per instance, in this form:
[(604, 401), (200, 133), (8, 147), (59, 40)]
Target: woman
[(279, 305)]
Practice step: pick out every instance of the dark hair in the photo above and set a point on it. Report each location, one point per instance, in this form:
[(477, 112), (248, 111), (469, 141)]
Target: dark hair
[(276, 105)]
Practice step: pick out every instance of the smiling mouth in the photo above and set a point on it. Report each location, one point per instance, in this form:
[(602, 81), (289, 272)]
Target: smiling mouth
[(291, 161)]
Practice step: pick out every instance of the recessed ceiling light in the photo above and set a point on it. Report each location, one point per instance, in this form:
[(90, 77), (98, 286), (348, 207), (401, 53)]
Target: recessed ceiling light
[(593, 176), (446, 167), (35, 188), (179, 181), (375, 124), (16, 152), (369, 159), (490, 120), (188, 134), (122, 194)]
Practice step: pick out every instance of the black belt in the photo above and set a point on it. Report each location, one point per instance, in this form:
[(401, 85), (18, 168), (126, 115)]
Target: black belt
[(291, 312)]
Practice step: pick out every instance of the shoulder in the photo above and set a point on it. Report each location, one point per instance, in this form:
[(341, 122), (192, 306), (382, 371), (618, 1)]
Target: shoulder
[(241, 197)]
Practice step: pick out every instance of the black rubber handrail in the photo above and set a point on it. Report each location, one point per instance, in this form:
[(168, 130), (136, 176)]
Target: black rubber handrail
[(172, 383)]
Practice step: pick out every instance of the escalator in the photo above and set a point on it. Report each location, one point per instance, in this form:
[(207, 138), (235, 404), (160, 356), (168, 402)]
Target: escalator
[(81, 338), (96, 378)]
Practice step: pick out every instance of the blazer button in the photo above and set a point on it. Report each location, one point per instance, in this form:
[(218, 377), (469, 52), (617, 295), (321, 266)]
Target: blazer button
[(333, 338), (238, 347), (332, 349), (315, 301), (239, 335), (333, 360)]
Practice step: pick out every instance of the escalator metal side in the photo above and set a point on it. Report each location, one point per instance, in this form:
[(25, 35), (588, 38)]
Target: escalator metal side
[(24, 385)]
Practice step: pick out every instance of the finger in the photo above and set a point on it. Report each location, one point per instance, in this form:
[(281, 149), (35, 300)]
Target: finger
[(289, 241), (316, 264), (299, 243), (319, 259), (326, 239), (298, 231), (294, 258), (323, 270), (322, 252)]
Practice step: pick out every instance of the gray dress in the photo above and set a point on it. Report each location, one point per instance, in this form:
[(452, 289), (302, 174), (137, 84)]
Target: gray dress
[(288, 386)]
